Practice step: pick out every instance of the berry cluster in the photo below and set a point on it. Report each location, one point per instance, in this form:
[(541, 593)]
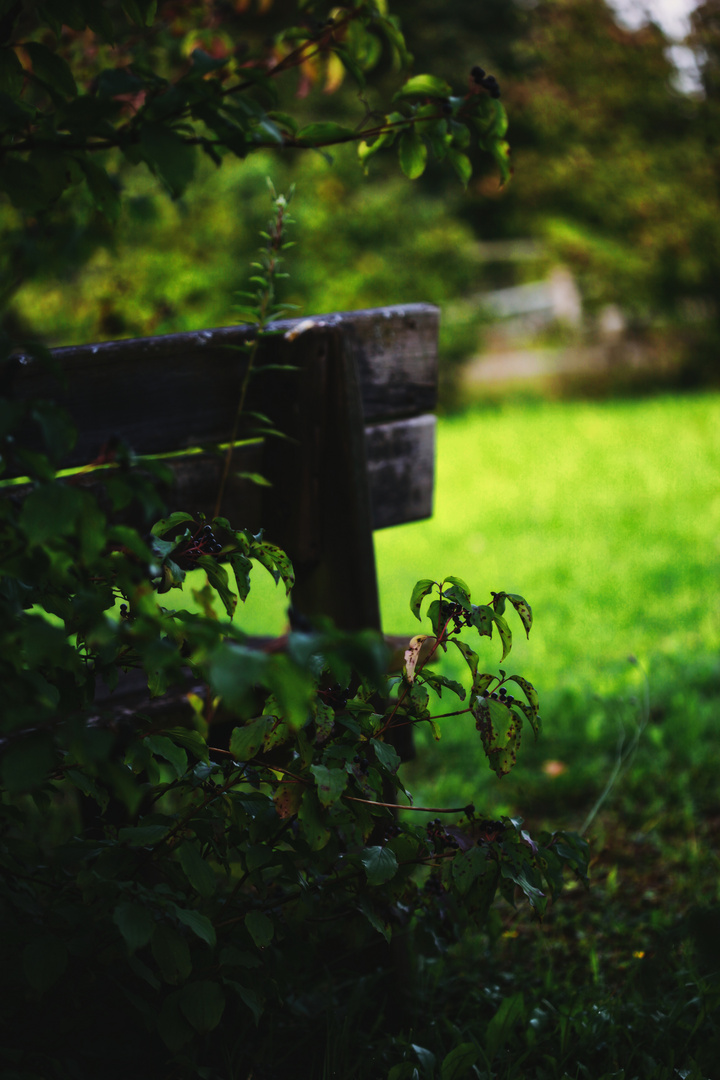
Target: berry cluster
[(208, 541), (488, 832), (488, 82), (439, 837), (434, 885), (335, 696), (204, 542), (502, 696), (362, 763), (454, 612)]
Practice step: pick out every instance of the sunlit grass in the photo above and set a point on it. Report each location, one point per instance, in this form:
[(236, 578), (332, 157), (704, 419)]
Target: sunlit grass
[(606, 516)]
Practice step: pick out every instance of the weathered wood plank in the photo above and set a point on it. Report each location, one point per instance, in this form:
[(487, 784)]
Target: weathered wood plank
[(401, 470), (400, 463), (181, 390), (319, 508)]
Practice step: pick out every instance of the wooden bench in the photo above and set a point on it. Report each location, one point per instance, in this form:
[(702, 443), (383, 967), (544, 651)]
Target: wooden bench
[(356, 410)]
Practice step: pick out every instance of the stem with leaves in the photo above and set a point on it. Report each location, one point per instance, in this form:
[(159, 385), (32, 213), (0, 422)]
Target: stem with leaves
[(260, 311)]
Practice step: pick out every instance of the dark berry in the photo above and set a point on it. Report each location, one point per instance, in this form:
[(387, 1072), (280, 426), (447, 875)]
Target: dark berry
[(490, 84), (478, 74)]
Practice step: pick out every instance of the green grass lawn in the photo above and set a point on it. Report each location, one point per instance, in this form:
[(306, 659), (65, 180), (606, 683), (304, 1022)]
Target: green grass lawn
[(606, 517)]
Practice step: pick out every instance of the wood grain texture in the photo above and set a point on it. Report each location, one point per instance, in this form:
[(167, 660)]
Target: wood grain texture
[(401, 470), (180, 390)]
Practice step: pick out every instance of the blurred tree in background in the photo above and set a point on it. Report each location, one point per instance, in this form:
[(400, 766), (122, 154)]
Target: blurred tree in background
[(615, 175), (90, 91)]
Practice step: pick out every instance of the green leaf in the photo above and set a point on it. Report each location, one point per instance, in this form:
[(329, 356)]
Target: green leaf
[(426, 1059), (330, 783), (323, 133), (233, 670), (481, 683), (501, 152), (191, 740), (380, 864), (11, 73), (254, 478), (500, 730), (481, 617), (500, 120), (218, 578), (246, 741), (171, 953), (498, 602), (203, 1004), (505, 634), (172, 1026), (499, 1030), (251, 998), (44, 960), (51, 510), (197, 870), (470, 657), (141, 12), (51, 69), (425, 86), (135, 923), (461, 164), (420, 591), (115, 81), (284, 120), (459, 596), (241, 567), (351, 65), (167, 749), (383, 927), (166, 524), (412, 153), (168, 156), (532, 695), (367, 150), (386, 754), (462, 585), (521, 877), (104, 193), (142, 835), (467, 867), (458, 1063), (311, 821), (198, 923), (523, 609), (204, 63), (260, 928)]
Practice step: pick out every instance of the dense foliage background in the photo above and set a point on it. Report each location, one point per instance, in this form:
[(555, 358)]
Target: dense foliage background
[(614, 176), (124, 850)]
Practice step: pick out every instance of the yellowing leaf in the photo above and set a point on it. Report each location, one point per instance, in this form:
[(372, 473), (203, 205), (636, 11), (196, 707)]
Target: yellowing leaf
[(412, 655)]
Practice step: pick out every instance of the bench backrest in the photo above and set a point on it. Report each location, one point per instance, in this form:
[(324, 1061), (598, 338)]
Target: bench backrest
[(357, 411)]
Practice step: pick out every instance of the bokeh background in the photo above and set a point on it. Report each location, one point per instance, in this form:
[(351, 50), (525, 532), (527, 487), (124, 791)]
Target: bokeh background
[(579, 442)]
